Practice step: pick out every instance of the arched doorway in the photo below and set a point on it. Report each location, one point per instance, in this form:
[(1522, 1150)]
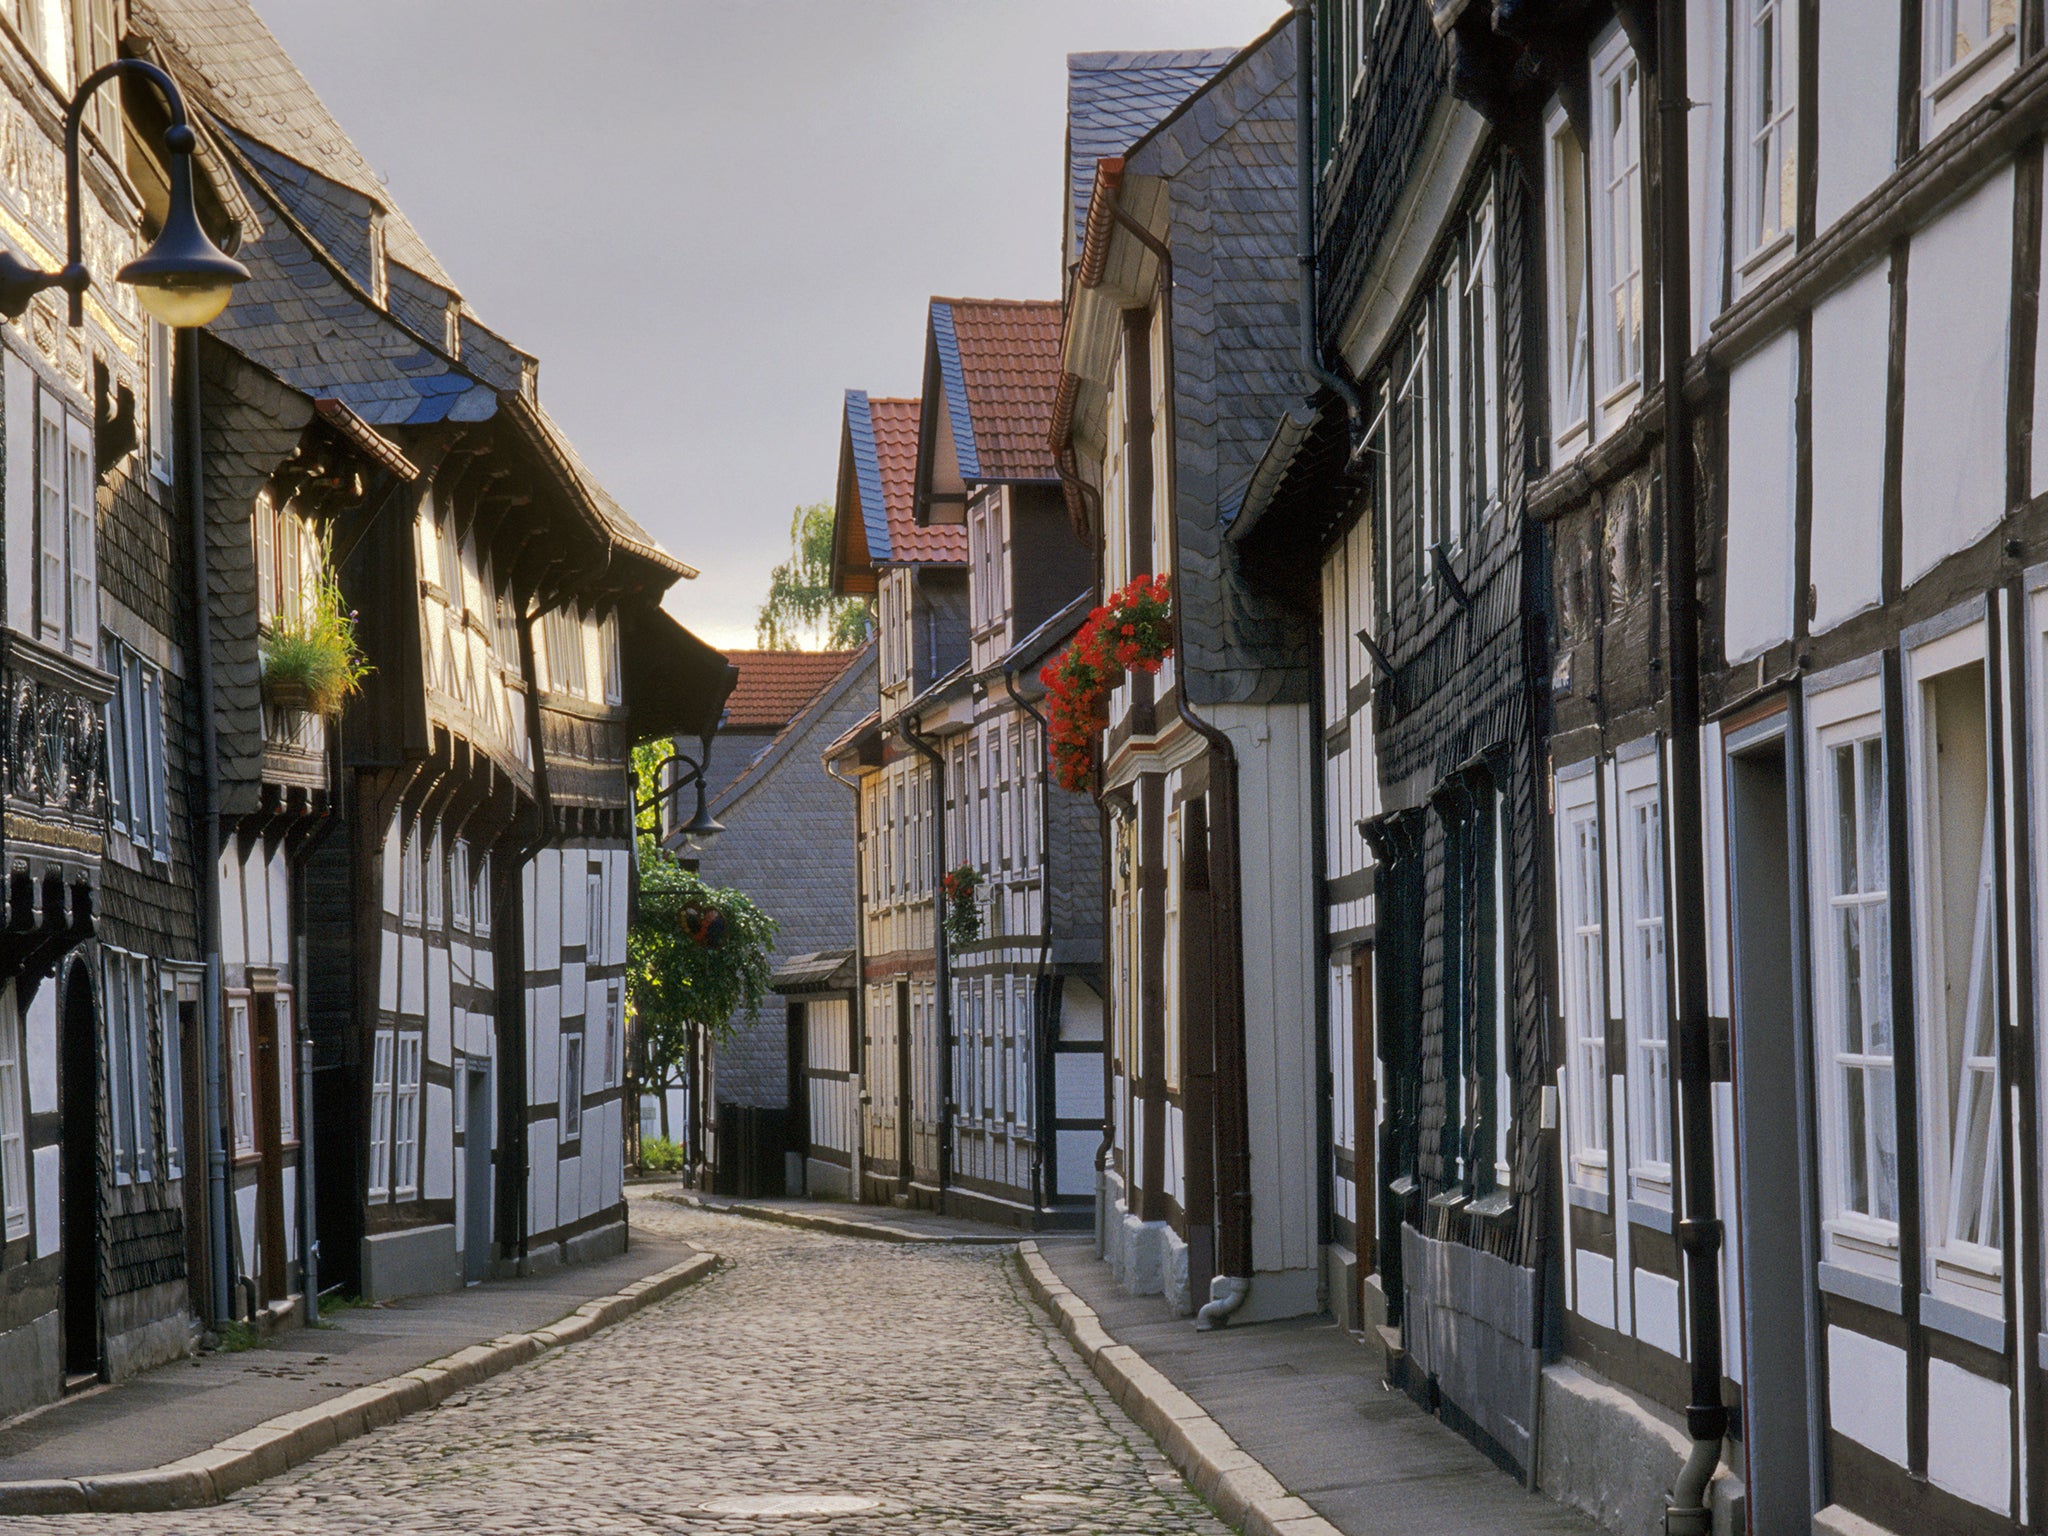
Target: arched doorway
[(79, 1105)]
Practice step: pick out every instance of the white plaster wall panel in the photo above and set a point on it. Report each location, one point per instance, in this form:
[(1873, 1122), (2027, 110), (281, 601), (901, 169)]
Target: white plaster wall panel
[(1727, 1190), (412, 974), (1176, 1142), (47, 1174), (1851, 331), (440, 1143), (618, 885), (1969, 1435), (545, 1012), (540, 1179), (1859, 129), (1957, 313), (1867, 1392), (1617, 1163), (20, 421), (233, 949), (1714, 832), (41, 1022), (1594, 1273), (594, 1157), (546, 908), (387, 970), (1758, 594), (1276, 848), (1343, 1130), (613, 1160), (290, 1190), (2038, 480), (277, 884), (1657, 1312), (459, 969), (1705, 76), (461, 1202), (528, 882), (245, 1228), (439, 1010), (256, 910), (575, 995), (486, 969), (593, 1011), (568, 1191), (394, 853), (575, 898)]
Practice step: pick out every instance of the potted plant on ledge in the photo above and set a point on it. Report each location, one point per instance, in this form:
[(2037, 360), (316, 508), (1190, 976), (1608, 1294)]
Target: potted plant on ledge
[(311, 663)]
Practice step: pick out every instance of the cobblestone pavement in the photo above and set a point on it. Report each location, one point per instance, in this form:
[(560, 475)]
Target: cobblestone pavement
[(814, 1384)]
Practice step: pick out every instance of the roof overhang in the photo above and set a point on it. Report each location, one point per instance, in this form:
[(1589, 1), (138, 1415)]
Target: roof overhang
[(675, 684)]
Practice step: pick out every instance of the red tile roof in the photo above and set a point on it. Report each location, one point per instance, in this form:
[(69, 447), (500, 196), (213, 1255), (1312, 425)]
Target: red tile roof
[(1010, 358), (775, 686), (895, 424)]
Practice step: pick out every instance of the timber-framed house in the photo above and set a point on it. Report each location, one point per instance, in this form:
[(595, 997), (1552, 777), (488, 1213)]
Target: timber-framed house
[(455, 947), (917, 576), (1177, 354), (1024, 986)]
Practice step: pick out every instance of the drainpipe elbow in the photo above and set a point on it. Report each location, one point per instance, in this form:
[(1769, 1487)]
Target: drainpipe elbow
[(1688, 1513), (1227, 1293)]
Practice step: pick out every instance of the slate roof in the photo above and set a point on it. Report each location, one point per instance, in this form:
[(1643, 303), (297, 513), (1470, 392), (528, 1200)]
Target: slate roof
[(999, 363), (1115, 99), (825, 970), (775, 686), (858, 677), (883, 437)]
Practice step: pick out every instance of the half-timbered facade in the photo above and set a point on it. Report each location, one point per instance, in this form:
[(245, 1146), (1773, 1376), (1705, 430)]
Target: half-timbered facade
[(1177, 356), (917, 576), (1024, 990)]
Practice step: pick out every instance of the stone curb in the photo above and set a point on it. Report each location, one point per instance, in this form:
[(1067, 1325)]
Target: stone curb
[(842, 1226), (1234, 1482), (283, 1442)]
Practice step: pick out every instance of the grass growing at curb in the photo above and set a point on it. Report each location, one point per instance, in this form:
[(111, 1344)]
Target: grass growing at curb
[(233, 1336)]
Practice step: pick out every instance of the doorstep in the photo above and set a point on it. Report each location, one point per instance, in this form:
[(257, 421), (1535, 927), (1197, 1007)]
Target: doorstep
[(195, 1430)]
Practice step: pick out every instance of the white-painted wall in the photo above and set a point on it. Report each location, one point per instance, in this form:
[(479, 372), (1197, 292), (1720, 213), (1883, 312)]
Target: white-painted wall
[(1858, 58), (1761, 417), (1851, 330)]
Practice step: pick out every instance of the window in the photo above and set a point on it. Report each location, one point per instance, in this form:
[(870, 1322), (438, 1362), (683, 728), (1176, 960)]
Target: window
[(1646, 988), (614, 1033), (480, 909), (608, 647), (382, 1064), (82, 550), (1860, 1144), (243, 1085), (138, 791), (1565, 231), (1959, 30), (594, 914), (162, 404), (13, 1143), (1583, 969), (458, 885), (432, 872), (1418, 409), (1473, 993), (409, 875), (1956, 955), (1478, 302), (563, 628), (572, 1087), (1618, 215), (405, 1127), (173, 1084), (287, 1071), (50, 543), (93, 39), (1769, 141)]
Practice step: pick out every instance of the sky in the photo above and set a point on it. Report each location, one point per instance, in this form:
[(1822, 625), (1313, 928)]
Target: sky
[(709, 218)]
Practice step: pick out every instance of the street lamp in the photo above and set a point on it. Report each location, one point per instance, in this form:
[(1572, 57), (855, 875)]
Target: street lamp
[(703, 826), (183, 279)]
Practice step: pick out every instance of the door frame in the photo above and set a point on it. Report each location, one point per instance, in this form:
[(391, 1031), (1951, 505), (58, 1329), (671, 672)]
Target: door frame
[(84, 1337)]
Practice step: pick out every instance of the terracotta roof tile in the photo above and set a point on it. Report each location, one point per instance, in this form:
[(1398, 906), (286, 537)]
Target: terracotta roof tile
[(1001, 358), (895, 428), (775, 686)]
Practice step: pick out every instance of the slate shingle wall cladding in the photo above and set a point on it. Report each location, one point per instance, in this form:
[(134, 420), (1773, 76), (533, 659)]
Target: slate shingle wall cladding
[(251, 425), (789, 844), (1074, 844), (1236, 361)]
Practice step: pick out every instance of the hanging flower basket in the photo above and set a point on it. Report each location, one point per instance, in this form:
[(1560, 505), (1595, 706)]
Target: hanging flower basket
[(963, 916), (703, 926), (1132, 632), (311, 664)]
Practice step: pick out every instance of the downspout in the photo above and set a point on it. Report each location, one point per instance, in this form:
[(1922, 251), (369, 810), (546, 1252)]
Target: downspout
[(1045, 1089), (857, 1012), (942, 958), (1699, 1231), (1305, 222), (192, 471), (1231, 1285)]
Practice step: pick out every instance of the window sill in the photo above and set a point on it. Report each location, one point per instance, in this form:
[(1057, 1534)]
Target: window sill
[(1589, 1199), (1984, 1329), (1855, 1285), (1764, 260), (1941, 95), (1647, 1214)]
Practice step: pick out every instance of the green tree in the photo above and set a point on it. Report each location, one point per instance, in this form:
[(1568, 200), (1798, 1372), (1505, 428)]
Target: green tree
[(800, 612)]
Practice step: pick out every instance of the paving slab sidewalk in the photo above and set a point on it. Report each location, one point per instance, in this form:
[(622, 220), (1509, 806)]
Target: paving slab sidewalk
[(189, 1407), (1306, 1401), (889, 1224)]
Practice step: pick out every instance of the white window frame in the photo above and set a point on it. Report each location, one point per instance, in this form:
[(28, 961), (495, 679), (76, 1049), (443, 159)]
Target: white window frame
[(593, 913), (1617, 231), (409, 874), (570, 1109), (241, 1050), (1582, 968), (14, 1204), (405, 1116), (480, 907), (1417, 398), (1646, 991), (53, 574), (614, 1034), (82, 532), (1847, 717), (1767, 135), (163, 432), (383, 1073), (459, 887), (1568, 291), (1968, 47), (287, 1069), (1479, 489), (431, 875), (1957, 1268), (172, 1076)]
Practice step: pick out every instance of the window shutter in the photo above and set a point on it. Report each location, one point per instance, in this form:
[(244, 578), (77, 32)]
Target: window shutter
[(159, 788), (84, 531), (117, 743)]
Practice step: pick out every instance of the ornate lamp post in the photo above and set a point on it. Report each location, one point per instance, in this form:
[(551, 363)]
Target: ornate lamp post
[(183, 279), (702, 826)]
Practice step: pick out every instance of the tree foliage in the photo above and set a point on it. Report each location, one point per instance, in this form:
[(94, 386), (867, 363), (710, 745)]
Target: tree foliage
[(800, 612), (696, 955)]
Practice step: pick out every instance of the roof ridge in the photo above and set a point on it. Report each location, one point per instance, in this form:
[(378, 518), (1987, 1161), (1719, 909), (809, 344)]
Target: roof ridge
[(1123, 60)]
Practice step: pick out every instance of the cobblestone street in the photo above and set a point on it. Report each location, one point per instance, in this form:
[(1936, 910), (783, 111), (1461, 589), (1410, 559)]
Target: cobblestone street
[(883, 1387)]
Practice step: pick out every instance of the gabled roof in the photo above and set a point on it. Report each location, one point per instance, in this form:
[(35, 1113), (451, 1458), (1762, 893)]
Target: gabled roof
[(1113, 100), (858, 673), (776, 686), (998, 367), (875, 521)]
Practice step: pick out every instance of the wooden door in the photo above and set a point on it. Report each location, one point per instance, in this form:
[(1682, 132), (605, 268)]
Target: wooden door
[(270, 1212)]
